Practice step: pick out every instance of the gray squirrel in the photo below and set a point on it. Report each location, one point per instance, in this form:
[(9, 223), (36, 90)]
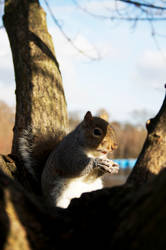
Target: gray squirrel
[(77, 163)]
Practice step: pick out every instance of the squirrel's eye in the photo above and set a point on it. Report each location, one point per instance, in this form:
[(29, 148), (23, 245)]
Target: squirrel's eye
[(97, 132)]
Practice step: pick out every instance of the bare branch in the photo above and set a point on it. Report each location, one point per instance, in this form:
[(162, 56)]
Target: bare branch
[(151, 19), (120, 17), (98, 56), (154, 34), (89, 12), (139, 4)]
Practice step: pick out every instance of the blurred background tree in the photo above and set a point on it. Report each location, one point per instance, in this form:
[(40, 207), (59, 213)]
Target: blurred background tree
[(6, 126), (131, 137)]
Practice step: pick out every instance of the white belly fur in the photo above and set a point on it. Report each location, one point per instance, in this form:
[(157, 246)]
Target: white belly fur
[(75, 188)]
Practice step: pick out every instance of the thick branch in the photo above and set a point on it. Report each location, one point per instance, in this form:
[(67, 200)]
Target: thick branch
[(153, 156), (116, 218)]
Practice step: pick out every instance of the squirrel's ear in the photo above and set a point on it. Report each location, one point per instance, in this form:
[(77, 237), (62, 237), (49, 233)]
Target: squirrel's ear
[(104, 116), (88, 117)]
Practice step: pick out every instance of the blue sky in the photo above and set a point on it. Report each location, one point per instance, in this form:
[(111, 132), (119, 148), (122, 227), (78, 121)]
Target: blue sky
[(130, 76)]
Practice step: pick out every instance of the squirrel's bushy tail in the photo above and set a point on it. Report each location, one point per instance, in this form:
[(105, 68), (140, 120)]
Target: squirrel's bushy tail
[(35, 149), (26, 150)]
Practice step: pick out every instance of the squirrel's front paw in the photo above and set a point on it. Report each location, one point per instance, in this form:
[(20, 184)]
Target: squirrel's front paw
[(107, 165)]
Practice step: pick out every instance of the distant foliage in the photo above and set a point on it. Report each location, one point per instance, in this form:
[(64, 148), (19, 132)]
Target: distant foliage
[(74, 120), (131, 138), (6, 127)]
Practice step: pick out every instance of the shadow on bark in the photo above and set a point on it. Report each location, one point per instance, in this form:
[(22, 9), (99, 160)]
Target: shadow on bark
[(112, 218), (44, 48), (4, 220)]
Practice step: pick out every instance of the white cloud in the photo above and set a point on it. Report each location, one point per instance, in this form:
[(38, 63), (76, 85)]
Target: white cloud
[(151, 69), (7, 84), (81, 49), (95, 7), (153, 60), (98, 50), (7, 94), (102, 7), (5, 53)]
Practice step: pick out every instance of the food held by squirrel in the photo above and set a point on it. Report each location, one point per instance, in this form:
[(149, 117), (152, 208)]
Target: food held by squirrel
[(77, 164)]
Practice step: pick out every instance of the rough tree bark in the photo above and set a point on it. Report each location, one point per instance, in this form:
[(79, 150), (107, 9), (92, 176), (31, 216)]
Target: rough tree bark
[(114, 218), (40, 99), (131, 216), (153, 156)]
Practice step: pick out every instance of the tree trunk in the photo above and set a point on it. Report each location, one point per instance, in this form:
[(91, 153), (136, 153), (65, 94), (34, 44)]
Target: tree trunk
[(40, 99), (153, 156)]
